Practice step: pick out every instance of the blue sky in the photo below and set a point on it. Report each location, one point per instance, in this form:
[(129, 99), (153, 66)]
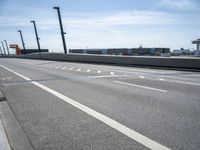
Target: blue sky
[(102, 23)]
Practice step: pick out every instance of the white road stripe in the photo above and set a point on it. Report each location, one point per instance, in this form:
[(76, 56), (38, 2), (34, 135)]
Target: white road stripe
[(88, 70), (99, 71), (104, 76), (182, 82), (142, 77), (71, 68), (57, 67), (112, 73), (140, 86), (64, 68), (79, 69), (110, 122), (52, 66), (161, 79)]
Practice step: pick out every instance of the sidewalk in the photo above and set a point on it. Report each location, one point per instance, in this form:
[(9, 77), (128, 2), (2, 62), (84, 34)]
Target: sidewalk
[(4, 144)]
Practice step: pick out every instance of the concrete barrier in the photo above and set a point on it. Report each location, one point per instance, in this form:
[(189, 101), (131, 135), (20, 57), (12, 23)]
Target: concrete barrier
[(184, 63)]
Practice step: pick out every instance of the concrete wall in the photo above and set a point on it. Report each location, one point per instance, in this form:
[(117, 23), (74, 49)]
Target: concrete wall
[(188, 63)]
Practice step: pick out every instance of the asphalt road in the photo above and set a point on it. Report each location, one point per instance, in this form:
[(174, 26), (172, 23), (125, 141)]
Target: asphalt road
[(62, 105)]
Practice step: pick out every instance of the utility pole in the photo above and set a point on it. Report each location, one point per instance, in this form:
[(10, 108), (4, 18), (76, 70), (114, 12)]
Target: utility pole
[(7, 47), (36, 34), (61, 28), (3, 48), (23, 44)]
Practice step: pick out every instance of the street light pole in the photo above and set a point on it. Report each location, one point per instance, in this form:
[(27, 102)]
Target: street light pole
[(36, 34), (3, 48), (7, 47), (61, 28), (23, 44)]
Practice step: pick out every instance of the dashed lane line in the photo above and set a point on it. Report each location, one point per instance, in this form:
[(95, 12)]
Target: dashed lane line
[(79, 69), (141, 77), (99, 71), (112, 73)]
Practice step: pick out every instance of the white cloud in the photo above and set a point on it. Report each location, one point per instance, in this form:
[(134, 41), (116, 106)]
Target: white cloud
[(177, 4), (10, 21), (114, 21)]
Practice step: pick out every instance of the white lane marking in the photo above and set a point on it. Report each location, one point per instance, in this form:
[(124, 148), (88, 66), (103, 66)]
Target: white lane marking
[(52, 66), (161, 79), (141, 77), (57, 67), (105, 76), (112, 73), (108, 121), (71, 68), (79, 69), (99, 71), (182, 82), (140, 86), (64, 68), (6, 78), (26, 78), (88, 70)]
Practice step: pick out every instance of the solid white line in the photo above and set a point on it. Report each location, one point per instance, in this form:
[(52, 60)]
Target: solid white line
[(104, 76), (140, 86), (26, 78), (182, 82), (110, 122)]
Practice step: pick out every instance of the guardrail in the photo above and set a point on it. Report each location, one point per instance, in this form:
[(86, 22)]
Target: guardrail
[(184, 63)]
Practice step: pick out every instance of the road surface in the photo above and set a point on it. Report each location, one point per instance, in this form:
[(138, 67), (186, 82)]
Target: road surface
[(64, 105)]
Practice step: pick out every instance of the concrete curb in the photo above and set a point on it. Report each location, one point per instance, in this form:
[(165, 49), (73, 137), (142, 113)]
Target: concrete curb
[(2, 98), (15, 135), (4, 142)]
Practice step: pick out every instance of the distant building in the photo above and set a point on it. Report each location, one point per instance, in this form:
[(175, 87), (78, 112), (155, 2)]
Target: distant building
[(124, 51), (182, 51)]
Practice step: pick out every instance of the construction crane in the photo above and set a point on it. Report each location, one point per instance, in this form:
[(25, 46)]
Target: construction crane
[(18, 50)]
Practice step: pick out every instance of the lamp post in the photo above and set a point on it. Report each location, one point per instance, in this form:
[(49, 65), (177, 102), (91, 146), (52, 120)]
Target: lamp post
[(36, 34), (23, 44), (61, 28), (3, 48), (7, 47)]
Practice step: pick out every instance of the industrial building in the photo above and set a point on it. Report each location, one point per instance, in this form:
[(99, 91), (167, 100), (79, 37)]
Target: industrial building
[(124, 51)]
